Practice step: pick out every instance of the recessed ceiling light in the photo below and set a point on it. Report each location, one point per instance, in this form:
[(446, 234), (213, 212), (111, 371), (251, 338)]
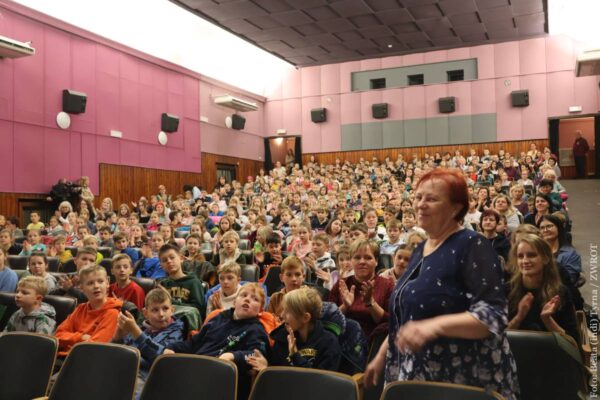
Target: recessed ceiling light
[(390, 46)]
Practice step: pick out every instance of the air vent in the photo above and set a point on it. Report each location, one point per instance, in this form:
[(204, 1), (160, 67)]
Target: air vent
[(10, 48), (588, 63), (235, 103)]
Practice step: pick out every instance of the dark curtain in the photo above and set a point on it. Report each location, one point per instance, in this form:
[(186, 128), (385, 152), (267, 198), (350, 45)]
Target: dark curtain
[(553, 137), (268, 161), (298, 151), (596, 144)]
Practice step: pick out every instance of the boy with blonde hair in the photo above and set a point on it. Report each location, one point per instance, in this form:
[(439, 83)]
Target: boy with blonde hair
[(292, 277), (230, 276), (94, 321), (124, 288), (392, 230), (229, 250), (58, 249), (33, 315)]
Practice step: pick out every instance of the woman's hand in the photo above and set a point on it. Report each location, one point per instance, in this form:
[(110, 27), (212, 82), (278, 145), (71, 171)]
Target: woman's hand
[(347, 295), (257, 361), (374, 370), (524, 306), (366, 291), (550, 307), (413, 335)]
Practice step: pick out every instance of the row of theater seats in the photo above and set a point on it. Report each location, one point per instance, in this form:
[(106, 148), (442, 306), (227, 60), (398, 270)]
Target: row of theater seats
[(547, 370)]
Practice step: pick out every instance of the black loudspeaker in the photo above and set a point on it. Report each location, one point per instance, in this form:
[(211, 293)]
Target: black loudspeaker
[(520, 98), (380, 110), (74, 102), (447, 104), (318, 114), (238, 122), (169, 123)]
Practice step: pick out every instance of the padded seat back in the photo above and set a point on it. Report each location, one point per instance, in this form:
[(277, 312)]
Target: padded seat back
[(272, 281), (145, 283), (250, 272), (414, 390), (63, 306), (18, 262)]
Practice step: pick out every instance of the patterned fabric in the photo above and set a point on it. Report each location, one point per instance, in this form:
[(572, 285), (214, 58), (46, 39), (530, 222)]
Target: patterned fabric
[(42, 320), (463, 274)]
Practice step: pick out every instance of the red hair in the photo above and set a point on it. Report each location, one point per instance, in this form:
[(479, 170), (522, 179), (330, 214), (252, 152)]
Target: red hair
[(457, 187)]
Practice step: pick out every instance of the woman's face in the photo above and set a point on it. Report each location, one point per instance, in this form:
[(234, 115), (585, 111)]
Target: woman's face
[(529, 261), (433, 205), (541, 205), (548, 230), (364, 263), (106, 204), (501, 205)]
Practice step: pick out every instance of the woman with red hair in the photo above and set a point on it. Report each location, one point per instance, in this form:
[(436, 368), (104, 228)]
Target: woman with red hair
[(447, 313)]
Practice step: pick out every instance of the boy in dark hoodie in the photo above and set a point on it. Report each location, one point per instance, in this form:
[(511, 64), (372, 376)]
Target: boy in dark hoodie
[(232, 335), (301, 341), (184, 289), (33, 315)]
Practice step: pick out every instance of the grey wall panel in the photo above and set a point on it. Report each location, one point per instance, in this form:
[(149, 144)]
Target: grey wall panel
[(351, 137), (393, 134), (372, 135), (433, 73), (484, 128), (415, 132), (437, 131), (461, 129)]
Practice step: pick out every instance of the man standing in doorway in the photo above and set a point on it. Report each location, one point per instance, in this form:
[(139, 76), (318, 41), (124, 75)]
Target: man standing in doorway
[(580, 149)]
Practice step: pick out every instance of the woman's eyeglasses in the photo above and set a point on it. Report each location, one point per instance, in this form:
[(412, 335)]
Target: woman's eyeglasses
[(546, 227)]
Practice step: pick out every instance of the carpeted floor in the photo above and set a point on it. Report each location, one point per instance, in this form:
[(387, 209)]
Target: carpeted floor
[(584, 209)]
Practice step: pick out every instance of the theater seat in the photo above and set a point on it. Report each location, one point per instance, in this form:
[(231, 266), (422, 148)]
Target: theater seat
[(169, 378), (386, 261), (413, 390), (244, 244), (250, 272), (302, 383), (105, 251), (272, 281), (28, 360), (18, 262), (53, 264), (145, 283), (63, 306), (7, 308)]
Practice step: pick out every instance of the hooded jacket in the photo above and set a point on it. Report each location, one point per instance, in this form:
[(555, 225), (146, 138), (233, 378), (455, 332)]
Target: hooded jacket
[(99, 324), (187, 291), (42, 320)]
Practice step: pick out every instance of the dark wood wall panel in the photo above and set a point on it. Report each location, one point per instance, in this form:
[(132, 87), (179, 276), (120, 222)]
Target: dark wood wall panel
[(11, 204), (354, 156)]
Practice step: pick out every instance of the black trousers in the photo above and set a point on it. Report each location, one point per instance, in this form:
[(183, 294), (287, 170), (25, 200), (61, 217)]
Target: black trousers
[(580, 167)]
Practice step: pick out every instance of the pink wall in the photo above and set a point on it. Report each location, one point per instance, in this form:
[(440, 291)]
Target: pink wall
[(544, 66)]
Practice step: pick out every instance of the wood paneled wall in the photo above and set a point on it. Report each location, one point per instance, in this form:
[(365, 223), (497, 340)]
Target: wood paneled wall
[(124, 184), (515, 147)]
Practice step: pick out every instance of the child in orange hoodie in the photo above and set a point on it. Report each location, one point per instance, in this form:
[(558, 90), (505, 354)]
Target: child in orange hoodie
[(94, 321)]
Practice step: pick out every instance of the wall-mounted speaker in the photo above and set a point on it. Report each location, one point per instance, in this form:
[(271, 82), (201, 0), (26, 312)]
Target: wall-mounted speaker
[(238, 122), (169, 123), (520, 98), (318, 115), (380, 110), (74, 102), (447, 104)]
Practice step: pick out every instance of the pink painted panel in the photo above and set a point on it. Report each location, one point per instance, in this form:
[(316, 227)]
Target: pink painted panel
[(192, 138), (346, 70), (532, 56), (311, 81), (193, 164), (483, 96), (129, 153), (311, 132), (6, 154), (330, 82), (506, 59), (432, 95), (108, 150), (159, 106), (191, 98), (292, 118), (255, 121), (350, 108), (175, 158), (462, 92), (146, 73), (175, 82), (57, 70), (218, 140), (83, 75), (461, 53), (331, 139), (485, 60), (175, 107), (273, 116), (56, 142), (392, 62), (146, 119), (6, 25), (6, 83), (395, 100), (436, 56), (586, 91), (367, 99), (29, 75), (292, 85), (598, 92), (205, 100), (28, 159), (75, 156), (129, 109), (559, 54), (107, 60), (129, 68), (274, 88), (509, 119), (107, 104), (159, 78), (414, 59), (560, 92), (414, 102), (89, 157), (370, 64), (535, 116)]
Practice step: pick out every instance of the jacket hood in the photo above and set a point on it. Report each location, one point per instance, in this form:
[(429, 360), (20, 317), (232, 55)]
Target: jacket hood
[(111, 303)]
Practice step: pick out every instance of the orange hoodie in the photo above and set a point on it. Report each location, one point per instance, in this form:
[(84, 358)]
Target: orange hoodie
[(100, 324)]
